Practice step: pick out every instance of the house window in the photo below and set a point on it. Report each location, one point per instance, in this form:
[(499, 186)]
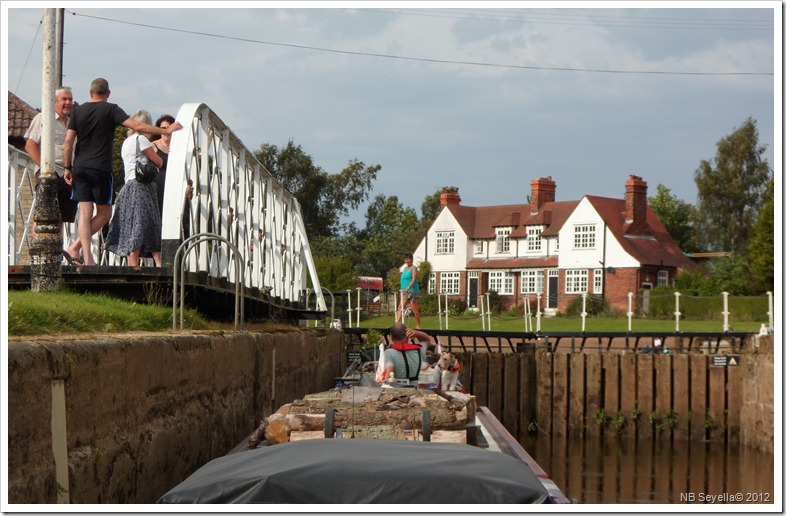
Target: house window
[(432, 282), (501, 282), (478, 246), (597, 281), (503, 240), (445, 242), (663, 278), (533, 238), (584, 236), (575, 281), (449, 283), (532, 281)]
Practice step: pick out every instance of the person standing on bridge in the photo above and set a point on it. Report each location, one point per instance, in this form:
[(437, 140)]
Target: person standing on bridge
[(64, 102), (92, 127), (410, 291), (135, 228), (161, 146)]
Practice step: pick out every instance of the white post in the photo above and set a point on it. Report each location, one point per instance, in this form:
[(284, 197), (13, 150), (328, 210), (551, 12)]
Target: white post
[(447, 314), (630, 311), (395, 306), (725, 311), (358, 314), (677, 311), (349, 307), (537, 315), (482, 315), (488, 309), (769, 313), (583, 311), (439, 309), (527, 316)]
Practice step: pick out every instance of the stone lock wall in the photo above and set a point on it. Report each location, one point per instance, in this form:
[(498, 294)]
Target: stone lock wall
[(144, 411)]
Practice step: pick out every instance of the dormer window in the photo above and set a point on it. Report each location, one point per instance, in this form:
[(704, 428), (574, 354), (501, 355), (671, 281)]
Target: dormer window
[(534, 242), (478, 246), (503, 240)]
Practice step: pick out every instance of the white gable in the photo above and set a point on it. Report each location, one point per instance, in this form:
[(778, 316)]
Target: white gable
[(457, 261), (573, 256)]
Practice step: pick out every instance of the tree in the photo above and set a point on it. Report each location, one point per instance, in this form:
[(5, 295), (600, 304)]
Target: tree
[(323, 197), (675, 215), (731, 191), (391, 230), (430, 208), (761, 250)]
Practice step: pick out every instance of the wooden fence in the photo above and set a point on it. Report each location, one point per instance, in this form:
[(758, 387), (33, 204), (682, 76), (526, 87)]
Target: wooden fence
[(675, 396)]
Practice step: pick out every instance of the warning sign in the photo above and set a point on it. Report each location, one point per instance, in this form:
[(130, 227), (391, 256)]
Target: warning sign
[(726, 360)]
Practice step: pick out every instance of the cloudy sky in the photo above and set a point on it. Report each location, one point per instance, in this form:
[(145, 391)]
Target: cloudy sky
[(441, 93)]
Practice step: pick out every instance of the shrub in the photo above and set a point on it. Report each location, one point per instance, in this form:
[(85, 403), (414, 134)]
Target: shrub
[(596, 306)]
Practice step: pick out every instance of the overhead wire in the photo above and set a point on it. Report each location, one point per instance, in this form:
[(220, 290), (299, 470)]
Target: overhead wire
[(32, 45), (418, 59)]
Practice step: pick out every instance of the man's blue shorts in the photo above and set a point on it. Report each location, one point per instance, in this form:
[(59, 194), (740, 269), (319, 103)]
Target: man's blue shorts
[(92, 185)]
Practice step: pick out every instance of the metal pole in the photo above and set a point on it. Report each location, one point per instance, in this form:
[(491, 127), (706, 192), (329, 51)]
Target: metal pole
[(725, 311), (439, 309), (769, 312), (583, 311), (59, 73), (630, 311), (677, 311), (537, 316), (349, 306), (45, 253)]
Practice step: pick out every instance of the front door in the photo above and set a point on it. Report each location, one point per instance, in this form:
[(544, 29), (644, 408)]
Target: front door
[(553, 291), (473, 293)]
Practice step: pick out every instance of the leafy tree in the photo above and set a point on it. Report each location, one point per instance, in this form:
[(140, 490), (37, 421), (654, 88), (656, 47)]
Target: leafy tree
[(761, 250), (323, 197), (731, 191), (430, 208), (675, 215), (391, 230), (335, 273)]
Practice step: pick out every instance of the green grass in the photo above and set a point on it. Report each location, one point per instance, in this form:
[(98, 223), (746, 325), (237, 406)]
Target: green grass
[(560, 324), (63, 312)]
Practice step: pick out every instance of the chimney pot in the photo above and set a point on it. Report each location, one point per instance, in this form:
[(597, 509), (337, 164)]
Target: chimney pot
[(636, 202)]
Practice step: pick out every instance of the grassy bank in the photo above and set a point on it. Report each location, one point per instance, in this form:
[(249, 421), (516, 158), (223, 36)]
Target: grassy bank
[(63, 312)]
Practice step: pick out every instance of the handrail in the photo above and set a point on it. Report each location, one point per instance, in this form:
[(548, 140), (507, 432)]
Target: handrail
[(189, 244)]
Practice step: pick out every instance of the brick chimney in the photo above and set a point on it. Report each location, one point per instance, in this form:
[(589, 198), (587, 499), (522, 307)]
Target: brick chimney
[(449, 197), (543, 191), (636, 204)]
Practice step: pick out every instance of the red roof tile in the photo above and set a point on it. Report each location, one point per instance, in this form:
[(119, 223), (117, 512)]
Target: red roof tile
[(20, 114), (513, 263)]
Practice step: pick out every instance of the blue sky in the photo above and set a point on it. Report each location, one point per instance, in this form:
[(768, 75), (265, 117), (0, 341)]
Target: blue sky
[(482, 96)]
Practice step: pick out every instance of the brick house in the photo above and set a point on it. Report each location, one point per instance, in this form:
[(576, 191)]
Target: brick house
[(558, 249)]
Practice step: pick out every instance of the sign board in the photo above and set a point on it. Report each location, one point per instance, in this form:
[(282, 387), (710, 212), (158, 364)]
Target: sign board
[(726, 360), (352, 355)]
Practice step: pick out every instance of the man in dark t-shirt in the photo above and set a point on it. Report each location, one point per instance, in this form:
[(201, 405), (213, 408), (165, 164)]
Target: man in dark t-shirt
[(92, 125)]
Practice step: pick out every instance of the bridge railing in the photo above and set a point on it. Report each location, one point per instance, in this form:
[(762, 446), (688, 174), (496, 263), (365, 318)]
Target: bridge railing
[(213, 184)]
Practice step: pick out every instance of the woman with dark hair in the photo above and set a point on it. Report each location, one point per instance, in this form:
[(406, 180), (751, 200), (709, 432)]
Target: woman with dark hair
[(161, 146), (410, 291)]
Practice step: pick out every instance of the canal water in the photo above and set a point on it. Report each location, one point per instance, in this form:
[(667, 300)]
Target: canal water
[(626, 471)]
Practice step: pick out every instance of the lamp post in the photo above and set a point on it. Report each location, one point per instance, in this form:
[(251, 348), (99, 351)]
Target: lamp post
[(45, 253)]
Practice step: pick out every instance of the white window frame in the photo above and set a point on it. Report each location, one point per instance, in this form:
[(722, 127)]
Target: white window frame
[(584, 236), (597, 281), (478, 246), (501, 282), (532, 281), (432, 282), (449, 282), (534, 241), (446, 241), (576, 281), (503, 240), (663, 278)]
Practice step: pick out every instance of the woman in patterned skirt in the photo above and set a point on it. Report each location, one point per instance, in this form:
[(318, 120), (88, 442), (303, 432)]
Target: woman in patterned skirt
[(135, 227)]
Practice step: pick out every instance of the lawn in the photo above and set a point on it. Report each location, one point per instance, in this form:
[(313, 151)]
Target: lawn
[(562, 324)]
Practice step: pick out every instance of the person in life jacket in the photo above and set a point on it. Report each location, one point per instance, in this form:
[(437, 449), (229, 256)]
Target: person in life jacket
[(403, 358)]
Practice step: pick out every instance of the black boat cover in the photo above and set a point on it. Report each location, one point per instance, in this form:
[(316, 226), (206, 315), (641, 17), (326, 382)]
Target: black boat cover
[(332, 471)]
